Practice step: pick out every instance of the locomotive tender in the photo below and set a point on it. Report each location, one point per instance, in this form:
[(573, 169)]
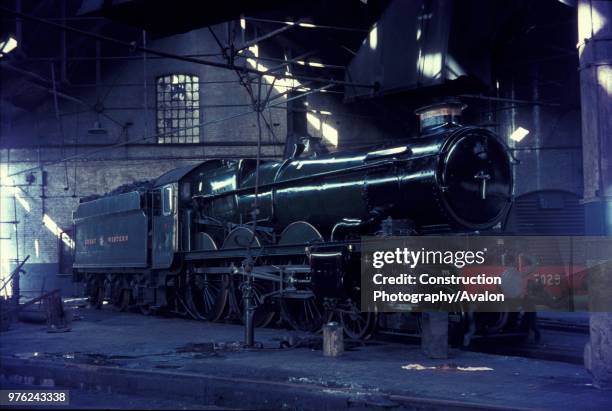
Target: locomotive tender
[(181, 242)]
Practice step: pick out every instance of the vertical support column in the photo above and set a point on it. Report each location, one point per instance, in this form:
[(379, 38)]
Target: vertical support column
[(537, 129), (16, 290), (145, 96), (15, 287), (296, 116), (63, 45), (595, 54), (434, 334), (98, 68), (18, 22), (248, 292)]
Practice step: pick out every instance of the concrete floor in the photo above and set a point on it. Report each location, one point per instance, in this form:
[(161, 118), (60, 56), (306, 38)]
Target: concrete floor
[(104, 348)]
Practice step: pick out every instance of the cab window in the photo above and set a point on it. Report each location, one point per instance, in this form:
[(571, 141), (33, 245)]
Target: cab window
[(167, 200)]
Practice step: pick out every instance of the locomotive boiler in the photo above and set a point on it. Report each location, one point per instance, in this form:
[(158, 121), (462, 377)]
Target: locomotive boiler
[(180, 242), (459, 178)]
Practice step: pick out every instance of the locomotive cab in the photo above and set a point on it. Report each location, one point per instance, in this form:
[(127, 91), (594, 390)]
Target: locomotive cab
[(165, 225), (171, 215)]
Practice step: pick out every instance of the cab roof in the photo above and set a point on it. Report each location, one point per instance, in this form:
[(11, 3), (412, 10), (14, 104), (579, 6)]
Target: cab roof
[(175, 175)]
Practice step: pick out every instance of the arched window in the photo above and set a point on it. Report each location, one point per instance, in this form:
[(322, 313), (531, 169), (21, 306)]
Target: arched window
[(178, 109)]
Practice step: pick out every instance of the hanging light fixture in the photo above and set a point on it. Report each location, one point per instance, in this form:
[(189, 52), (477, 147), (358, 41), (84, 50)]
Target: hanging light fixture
[(519, 134), (97, 128), (8, 44)]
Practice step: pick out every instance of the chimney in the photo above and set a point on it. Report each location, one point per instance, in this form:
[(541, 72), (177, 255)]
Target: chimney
[(439, 114)]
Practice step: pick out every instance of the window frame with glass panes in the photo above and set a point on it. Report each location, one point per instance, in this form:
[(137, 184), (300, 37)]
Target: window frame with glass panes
[(178, 108)]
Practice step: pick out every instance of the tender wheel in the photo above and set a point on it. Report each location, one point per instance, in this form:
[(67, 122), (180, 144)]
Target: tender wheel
[(123, 300), (96, 298), (121, 294), (139, 284), (207, 295), (95, 292)]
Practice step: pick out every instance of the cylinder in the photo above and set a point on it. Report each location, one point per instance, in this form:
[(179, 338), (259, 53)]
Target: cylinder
[(333, 339)]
